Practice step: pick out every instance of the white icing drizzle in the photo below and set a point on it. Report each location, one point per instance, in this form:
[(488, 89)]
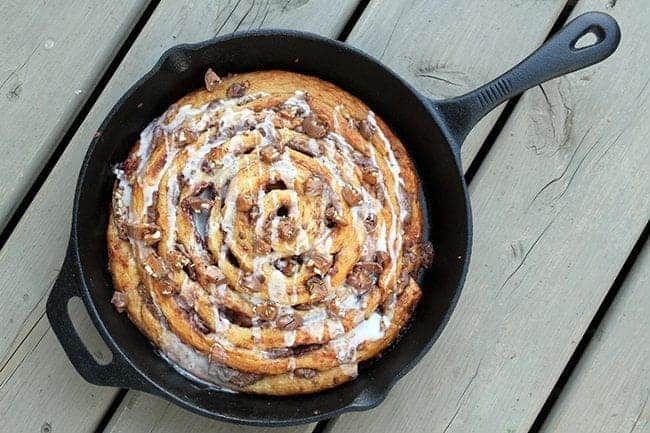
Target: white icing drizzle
[(234, 125)]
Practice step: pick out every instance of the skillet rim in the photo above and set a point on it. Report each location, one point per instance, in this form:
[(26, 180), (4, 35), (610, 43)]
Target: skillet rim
[(366, 399)]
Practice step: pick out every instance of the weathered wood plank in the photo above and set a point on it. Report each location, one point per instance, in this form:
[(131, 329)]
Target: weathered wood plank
[(52, 55), (140, 412), (446, 48), (558, 203), (609, 389), (32, 256)]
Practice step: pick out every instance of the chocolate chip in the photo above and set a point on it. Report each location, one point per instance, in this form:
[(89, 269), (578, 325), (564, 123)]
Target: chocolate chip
[(314, 127), (237, 90), (212, 80)]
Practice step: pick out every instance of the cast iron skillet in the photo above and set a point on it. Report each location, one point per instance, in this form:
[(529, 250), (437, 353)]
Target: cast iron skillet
[(432, 132)]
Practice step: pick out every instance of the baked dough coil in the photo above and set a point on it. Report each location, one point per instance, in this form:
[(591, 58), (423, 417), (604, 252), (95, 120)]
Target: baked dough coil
[(265, 233)]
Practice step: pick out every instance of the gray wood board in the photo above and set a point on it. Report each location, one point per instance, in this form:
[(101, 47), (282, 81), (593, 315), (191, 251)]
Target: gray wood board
[(558, 203), (52, 55), (446, 48), (609, 389), (33, 255)]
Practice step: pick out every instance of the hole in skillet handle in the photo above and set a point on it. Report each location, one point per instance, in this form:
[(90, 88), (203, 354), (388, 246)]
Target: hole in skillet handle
[(117, 372), (559, 55)]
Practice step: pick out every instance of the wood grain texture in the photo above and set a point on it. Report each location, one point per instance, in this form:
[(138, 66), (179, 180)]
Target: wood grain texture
[(609, 389), (32, 256), (140, 412), (558, 204), (446, 48), (52, 55)]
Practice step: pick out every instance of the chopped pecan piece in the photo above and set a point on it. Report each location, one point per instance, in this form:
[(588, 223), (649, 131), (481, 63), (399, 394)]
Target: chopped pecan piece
[(372, 267), (382, 258), (119, 301), (305, 373), (212, 80), (318, 262), (178, 259), (370, 222), (287, 266), (197, 204), (252, 282), (426, 254), (313, 186), (403, 280), (334, 217), (361, 279), (209, 166), (185, 136), (267, 311), (269, 153), (288, 322), (147, 232), (314, 126), (154, 266), (370, 175), (351, 196), (316, 287), (310, 148), (366, 129), (286, 229), (237, 90), (210, 274)]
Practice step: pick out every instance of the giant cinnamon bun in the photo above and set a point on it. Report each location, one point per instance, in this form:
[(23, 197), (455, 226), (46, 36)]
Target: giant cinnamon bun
[(265, 233)]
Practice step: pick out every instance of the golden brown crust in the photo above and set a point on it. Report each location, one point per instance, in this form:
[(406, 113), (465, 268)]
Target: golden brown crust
[(271, 228)]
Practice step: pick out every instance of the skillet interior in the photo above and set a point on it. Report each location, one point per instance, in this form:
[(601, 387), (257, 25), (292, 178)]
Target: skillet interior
[(410, 116)]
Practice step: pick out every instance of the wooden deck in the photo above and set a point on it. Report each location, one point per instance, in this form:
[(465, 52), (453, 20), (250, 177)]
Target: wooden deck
[(551, 331)]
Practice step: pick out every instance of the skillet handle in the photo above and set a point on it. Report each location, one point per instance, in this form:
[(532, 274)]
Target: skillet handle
[(557, 56), (118, 372)]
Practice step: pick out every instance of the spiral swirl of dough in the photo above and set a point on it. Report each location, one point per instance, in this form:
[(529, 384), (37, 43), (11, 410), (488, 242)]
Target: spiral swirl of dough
[(265, 233)]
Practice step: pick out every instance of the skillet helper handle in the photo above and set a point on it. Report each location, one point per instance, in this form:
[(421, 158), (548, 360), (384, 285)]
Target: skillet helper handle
[(557, 56), (117, 373)]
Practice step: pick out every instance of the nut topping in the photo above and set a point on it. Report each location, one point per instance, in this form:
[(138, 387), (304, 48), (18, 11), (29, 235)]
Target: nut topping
[(317, 262), (287, 266), (197, 204), (366, 129), (334, 217), (314, 127), (119, 301), (316, 287), (237, 90), (286, 229), (252, 282), (212, 80), (351, 196), (289, 322), (314, 186), (267, 311), (147, 232), (269, 154)]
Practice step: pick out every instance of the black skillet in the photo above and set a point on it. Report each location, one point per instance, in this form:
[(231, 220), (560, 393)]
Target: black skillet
[(432, 132)]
